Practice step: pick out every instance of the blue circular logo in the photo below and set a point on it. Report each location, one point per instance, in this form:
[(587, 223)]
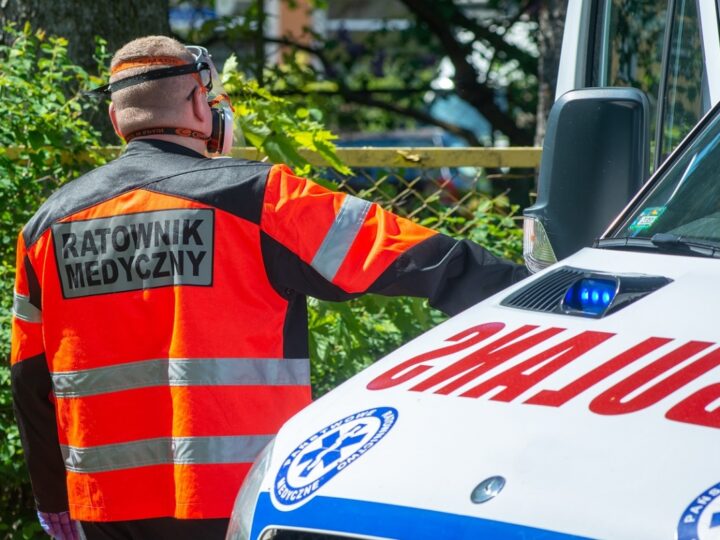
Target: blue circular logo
[(332, 449), (701, 519)]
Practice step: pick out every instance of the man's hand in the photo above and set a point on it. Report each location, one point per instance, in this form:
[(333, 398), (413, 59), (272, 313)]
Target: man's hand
[(59, 525)]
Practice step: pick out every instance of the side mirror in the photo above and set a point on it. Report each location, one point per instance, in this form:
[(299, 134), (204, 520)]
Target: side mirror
[(595, 158)]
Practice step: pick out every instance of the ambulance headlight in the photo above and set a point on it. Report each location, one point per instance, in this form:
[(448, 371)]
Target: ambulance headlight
[(244, 509), (537, 250)]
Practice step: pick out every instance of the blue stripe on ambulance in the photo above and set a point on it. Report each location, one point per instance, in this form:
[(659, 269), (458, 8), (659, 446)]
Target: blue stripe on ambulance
[(390, 521)]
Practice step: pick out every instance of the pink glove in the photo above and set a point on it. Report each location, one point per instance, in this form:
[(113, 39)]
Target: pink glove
[(59, 525)]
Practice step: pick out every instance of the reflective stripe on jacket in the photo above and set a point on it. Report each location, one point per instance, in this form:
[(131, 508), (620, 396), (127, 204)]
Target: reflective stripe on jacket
[(160, 327)]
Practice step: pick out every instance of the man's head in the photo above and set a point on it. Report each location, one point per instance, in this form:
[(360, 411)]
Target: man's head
[(176, 102)]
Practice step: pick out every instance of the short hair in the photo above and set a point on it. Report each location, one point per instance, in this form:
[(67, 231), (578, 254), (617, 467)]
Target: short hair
[(152, 102)]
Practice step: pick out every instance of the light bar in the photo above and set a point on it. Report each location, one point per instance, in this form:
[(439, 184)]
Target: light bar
[(590, 296)]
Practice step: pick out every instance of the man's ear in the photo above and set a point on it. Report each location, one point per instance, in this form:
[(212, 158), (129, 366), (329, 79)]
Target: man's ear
[(201, 109), (113, 119)]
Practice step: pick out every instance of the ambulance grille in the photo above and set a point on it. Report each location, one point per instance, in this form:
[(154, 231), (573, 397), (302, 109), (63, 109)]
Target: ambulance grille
[(546, 293)]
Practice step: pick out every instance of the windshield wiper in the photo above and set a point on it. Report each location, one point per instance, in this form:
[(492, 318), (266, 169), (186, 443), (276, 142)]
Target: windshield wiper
[(665, 242), (703, 248)]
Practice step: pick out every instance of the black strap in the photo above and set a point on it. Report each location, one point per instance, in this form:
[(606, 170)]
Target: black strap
[(162, 73)]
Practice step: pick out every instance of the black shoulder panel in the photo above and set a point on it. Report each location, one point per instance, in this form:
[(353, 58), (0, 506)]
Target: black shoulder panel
[(34, 288), (88, 190), (236, 186)]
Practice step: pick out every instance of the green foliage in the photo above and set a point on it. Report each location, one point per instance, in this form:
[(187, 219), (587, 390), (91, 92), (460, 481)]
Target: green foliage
[(277, 126), (44, 142), (347, 337), (491, 223)]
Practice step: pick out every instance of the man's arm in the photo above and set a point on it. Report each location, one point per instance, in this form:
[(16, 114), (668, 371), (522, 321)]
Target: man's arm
[(452, 274), (32, 392), (334, 246)]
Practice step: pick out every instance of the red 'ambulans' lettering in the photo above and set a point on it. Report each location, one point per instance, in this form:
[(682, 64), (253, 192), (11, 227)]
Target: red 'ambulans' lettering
[(414, 366), (610, 401), (555, 398), (694, 408), (482, 360), (523, 376), (644, 388)]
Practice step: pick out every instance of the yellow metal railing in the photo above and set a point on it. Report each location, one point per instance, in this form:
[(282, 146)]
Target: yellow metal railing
[(515, 157)]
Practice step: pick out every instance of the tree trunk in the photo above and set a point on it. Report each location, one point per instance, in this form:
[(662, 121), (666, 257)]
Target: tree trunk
[(81, 20), (551, 19)]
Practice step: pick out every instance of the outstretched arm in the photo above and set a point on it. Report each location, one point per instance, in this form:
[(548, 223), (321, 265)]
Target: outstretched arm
[(334, 246)]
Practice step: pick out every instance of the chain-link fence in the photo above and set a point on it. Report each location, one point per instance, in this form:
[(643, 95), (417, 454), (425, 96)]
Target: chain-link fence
[(441, 187)]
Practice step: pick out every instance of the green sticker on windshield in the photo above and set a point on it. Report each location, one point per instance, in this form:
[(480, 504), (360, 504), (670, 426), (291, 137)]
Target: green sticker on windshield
[(646, 219)]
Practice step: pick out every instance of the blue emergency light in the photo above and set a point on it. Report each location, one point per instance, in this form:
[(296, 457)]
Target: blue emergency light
[(590, 296), (583, 293)]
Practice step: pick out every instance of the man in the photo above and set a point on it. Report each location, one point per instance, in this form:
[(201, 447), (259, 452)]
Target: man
[(159, 330)]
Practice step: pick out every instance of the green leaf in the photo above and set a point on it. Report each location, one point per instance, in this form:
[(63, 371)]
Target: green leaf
[(327, 151), (255, 134), (280, 149)]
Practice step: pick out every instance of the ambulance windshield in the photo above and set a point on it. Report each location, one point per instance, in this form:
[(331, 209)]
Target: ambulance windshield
[(685, 202)]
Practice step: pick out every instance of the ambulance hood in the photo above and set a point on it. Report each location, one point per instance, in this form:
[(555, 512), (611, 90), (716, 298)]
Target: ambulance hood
[(511, 423)]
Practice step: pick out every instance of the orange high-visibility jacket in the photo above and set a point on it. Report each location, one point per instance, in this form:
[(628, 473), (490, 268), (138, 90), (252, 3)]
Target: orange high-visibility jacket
[(159, 336)]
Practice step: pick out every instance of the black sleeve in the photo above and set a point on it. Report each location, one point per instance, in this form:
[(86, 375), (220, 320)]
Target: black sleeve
[(452, 274), (289, 274), (35, 413)]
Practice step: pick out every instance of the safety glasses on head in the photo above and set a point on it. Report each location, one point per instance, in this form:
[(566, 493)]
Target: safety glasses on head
[(203, 70), (200, 69), (202, 56)]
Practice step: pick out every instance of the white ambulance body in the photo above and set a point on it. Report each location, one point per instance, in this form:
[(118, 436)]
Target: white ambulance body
[(583, 402)]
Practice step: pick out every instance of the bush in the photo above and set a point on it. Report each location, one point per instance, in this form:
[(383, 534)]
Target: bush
[(44, 142)]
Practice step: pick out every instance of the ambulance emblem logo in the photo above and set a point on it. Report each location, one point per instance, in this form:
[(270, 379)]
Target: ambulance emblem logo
[(701, 519), (329, 451)]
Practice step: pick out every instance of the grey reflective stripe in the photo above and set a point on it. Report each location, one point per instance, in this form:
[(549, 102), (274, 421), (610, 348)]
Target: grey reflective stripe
[(239, 371), (182, 372), (340, 237), (24, 310), (229, 449), (164, 451)]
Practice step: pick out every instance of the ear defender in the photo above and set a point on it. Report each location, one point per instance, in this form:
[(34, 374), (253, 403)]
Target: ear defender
[(221, 137)]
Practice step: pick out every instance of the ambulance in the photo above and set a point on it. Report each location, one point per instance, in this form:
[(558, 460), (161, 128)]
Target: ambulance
[(584, 401)]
